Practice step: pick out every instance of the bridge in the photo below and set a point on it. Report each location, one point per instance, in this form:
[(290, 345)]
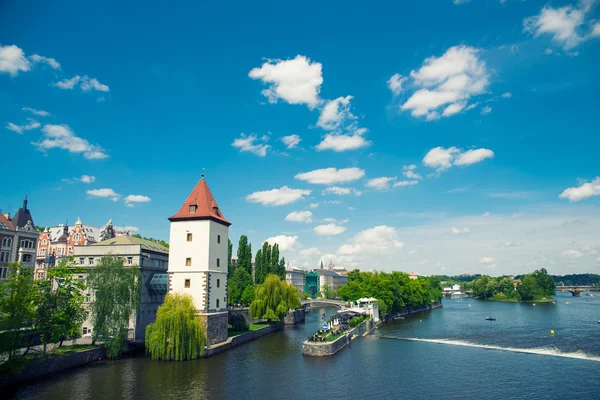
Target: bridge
[(576, 290), (308, 304)]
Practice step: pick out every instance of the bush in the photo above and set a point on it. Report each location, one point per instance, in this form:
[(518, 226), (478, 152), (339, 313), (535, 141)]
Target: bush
[(238, 322), (354, 322)]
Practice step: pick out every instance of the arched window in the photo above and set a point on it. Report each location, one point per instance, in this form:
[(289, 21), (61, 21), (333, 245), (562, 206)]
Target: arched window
[(9, 242), (3, 242)]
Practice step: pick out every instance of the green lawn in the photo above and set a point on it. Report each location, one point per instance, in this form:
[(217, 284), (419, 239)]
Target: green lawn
[(253, 327)]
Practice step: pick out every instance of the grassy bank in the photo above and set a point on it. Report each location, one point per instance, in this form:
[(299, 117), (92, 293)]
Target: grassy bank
[(513, 300), (252, 327)]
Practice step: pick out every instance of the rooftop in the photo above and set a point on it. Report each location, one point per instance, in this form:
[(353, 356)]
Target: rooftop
[(200, 204), (132, 240)]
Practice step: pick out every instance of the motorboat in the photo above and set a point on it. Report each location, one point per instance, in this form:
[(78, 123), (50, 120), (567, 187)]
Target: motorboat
[(490, 318)]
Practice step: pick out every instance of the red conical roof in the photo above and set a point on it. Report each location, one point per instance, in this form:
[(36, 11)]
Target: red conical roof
[(205, 206)]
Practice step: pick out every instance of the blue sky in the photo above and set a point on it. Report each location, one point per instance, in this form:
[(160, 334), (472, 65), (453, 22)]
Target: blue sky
[(448, 136)]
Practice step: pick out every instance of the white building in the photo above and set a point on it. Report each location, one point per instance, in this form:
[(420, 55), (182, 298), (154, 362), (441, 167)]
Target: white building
[(371, 306), (198, 259), (295, 276), (150, 257)]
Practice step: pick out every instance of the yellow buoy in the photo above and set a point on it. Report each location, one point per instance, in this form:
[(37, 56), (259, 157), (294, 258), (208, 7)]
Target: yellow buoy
[(552, 332)]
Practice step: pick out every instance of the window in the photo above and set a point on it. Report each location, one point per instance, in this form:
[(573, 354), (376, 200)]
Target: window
[(193, 208), (44, 241), (218, 238), (90, 260), (85, 330), (189, 237), (129, 260), (218, 262), (9, 242), (188, 262), (217, 303), (77, 237), (187, 283), (81, 260), (3, 273), (87, 298), (218, 283)]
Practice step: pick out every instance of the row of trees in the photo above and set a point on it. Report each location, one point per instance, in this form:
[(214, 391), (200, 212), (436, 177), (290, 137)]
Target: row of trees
[(241, 282), (53, 307), (392, 290), (530, 287)]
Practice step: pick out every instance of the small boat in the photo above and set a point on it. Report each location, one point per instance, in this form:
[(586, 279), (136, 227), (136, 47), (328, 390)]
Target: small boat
[(534, 304), (567, 302), (490, 318), (469, 304), (599, 321)]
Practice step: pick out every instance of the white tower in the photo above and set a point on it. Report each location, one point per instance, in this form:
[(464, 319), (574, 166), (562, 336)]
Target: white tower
[(198, 251)]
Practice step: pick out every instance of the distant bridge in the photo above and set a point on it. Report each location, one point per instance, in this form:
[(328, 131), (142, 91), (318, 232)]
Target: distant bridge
[(576, 290), (308, 304)]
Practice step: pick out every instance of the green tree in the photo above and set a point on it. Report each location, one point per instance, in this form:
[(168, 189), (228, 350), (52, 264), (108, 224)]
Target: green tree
[(258, 267), (281, 268), (177, 333), (248, 295), (60, 310), (328, 292), (527, 289), (266, 261), (229, 255), (244, 254), (237, 283), (274, 268), (273, 299), (18, 294), (136, 235), (116, 291)]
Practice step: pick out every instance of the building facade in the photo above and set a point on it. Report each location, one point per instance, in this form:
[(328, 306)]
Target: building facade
[(295, 276), (198, 253), (152, 260), (332, 276), (18, 239)]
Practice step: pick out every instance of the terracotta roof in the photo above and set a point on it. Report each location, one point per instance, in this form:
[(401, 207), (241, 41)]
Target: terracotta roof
[(4, 222), (206, 206)]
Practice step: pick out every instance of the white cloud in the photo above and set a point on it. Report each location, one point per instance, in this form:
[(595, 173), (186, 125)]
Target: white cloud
[(343, 142), (486, 110), (572, 254), (299, 216), (329, 176), (286, 243), (134, 199), (313, 205), (13, 61), (441, 158), (277, 197), (45, 60), (585, 190), (335, 113), (296, 81), (378, 240), (291, 141), (567, 25), (473, 156), (409, 172), (396, 83), (463, 231), (381, 183), (86, 84), (86, 179), (405, 183), (106, 192), (486, 214), (329, 229), (31, 124), (40, 113), (507, 95), (486, 260), (340, 191), (248, 143), (62, 137), (126, 228), (448, 81)]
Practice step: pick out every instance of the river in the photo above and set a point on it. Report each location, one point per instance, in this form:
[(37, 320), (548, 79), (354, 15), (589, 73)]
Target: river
[(451, 352)]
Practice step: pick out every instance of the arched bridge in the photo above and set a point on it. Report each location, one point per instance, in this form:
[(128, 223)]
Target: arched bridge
[(322, 303), (576, 290)]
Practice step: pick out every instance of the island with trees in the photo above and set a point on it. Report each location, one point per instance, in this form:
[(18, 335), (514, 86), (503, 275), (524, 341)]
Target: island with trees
[(535, 287)]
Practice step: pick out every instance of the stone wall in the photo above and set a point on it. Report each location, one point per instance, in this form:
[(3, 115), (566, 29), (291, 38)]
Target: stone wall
[(328, 349), (51, 365), (240, 339), (411, 310), (215, 326), (294, 317), (243, 312)]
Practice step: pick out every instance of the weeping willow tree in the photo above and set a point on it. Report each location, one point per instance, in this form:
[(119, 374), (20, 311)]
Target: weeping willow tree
[(177, 333), (117, 290), (273, 299)]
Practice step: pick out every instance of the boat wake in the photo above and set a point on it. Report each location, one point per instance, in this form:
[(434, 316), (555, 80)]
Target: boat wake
[(540, 351)]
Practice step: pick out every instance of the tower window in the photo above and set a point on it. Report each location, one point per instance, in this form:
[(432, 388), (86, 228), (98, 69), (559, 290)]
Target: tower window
[(218, 238), (193, 208), (187, 283), (218, 283), (189, 237), (188, 262), (218, 262), (216, 210), (217, 303)]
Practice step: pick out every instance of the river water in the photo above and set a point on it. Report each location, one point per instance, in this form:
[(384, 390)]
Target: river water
[(451, 352)]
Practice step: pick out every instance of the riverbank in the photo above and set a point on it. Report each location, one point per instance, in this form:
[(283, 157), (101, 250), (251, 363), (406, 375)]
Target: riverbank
[(318, 349), (509, 300)]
